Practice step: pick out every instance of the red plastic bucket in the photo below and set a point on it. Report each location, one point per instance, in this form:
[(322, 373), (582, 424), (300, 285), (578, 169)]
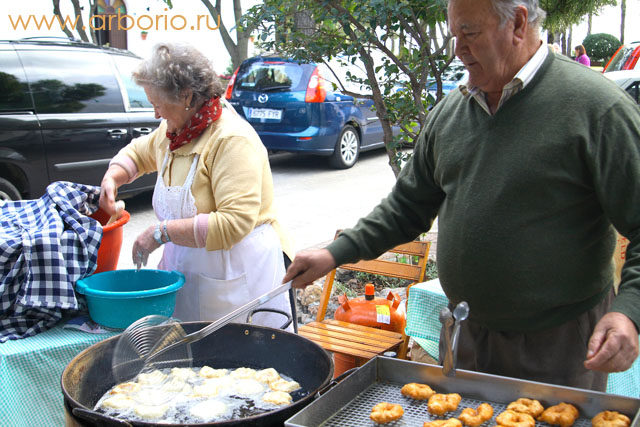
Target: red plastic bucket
[(109, 250)]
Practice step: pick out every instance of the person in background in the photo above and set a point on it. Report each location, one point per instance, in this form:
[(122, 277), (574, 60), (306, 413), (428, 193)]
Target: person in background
[(556, 48), (213, 197), (529, 184), (581, 56)]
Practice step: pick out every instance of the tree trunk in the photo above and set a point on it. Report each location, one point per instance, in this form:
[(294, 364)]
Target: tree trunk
[(589, 23), (303, 22), (56, 11), (623, 16), (80, 27)]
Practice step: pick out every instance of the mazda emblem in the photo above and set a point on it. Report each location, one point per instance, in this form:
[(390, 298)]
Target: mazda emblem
[(263, 98)]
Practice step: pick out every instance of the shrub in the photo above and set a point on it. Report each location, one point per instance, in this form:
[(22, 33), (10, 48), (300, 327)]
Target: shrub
[(601, 47)]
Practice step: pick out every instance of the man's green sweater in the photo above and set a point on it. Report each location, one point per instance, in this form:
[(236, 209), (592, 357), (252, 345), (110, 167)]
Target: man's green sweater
[(526, 199)]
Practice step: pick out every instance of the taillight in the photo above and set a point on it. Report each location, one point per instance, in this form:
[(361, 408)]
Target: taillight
[(316, 90), (231, 83)]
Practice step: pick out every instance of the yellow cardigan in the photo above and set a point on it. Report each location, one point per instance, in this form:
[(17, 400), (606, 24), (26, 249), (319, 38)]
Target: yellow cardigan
[(233, 181)]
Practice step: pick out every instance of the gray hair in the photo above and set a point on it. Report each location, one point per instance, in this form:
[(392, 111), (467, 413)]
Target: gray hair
[(176, 67), (506, 10)]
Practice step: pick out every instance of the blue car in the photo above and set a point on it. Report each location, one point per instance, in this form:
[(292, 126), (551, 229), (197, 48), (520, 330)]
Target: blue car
[(298, 107)]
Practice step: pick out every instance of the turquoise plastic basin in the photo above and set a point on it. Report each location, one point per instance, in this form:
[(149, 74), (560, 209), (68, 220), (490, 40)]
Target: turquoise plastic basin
[(118, 298)]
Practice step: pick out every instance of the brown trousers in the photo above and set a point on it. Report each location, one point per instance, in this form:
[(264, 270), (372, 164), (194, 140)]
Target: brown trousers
[(553, 356)]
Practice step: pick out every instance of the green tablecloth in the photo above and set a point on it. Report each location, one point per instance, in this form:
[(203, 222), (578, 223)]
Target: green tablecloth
[(423, 325), (30, 375)]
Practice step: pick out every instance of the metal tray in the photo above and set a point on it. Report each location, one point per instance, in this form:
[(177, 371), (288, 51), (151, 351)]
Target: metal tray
[(350, 401)]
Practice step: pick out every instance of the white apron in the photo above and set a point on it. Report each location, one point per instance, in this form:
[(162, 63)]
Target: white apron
[(217, 282)]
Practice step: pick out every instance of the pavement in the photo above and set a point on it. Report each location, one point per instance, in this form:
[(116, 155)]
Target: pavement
[(313, 201)]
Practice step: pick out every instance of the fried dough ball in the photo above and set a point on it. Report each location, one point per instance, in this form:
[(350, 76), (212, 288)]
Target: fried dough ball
[(208, 410), (385, 412), (243, 373), (126, 388), (151, 412), (182, 373), (284, 385), (417, 391), (475, 417), (277, 397), (562, 414), (610, 419), (511, 418), (527, 406), (119, 401), (439, 403), (451, 422), (209, 372), (151, 378), (268, 375)]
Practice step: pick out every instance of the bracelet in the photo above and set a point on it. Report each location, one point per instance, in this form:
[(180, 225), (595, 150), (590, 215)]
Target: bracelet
[(165, 233)]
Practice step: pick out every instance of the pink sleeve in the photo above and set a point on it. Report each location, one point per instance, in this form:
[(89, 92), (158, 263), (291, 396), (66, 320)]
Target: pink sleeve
[(127, 164), (200, 229)]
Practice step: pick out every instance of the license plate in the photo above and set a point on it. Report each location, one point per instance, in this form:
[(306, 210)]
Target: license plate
[(265, 113)]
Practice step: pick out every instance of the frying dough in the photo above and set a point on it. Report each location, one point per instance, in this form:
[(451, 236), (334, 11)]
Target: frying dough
[(151, 378), (284, 385), (119, 401), (208, 409), (268, 375), (277, 397), (209, 372), (248, 387), (243, 373), (182, 373), (150, 412)]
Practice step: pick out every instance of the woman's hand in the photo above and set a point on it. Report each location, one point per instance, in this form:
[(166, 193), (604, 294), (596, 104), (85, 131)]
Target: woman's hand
[(143, 246), (113, 178)]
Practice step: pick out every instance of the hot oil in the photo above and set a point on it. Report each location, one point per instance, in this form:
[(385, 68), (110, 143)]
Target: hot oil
[(179, 408)]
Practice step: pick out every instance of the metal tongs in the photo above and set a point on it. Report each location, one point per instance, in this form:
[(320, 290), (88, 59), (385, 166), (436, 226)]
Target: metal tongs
[(460, 313)]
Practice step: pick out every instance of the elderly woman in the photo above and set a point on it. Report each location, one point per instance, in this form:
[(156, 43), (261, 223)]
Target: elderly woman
[(214, 193)]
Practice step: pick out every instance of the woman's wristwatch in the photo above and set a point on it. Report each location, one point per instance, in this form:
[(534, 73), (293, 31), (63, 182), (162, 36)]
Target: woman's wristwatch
[(158, 234)]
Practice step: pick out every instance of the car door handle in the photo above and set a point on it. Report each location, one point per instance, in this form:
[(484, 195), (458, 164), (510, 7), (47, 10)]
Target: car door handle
[(141, 131), (117, 134)]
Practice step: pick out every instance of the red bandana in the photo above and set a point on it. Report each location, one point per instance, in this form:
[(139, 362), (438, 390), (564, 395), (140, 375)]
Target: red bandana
[(208, 113)]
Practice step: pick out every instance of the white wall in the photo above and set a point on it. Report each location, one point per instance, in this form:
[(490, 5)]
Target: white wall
[(206, 40)]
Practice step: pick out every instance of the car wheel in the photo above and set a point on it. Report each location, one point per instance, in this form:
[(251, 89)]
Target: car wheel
[(347, 149), (8, 191)]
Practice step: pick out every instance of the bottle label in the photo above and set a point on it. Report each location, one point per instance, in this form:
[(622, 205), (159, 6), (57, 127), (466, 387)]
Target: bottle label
[(383, 315)]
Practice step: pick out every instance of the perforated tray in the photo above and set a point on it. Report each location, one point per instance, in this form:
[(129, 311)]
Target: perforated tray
[(349, 402)]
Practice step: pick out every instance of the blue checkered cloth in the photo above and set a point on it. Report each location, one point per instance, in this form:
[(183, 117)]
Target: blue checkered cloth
[(46, 245)]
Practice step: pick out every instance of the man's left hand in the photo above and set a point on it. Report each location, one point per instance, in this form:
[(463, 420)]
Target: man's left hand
[(613, 347)]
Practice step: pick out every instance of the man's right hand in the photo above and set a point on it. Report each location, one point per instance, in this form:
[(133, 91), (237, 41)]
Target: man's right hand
[(308, 266)]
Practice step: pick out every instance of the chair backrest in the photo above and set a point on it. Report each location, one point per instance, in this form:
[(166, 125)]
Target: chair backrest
[(388, 264)]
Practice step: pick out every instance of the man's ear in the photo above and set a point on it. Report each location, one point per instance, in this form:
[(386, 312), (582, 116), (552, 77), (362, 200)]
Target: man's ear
[(520, 24)]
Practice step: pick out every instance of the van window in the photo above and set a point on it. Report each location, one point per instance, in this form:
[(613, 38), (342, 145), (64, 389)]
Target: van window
[(127, 65), (619, 61), (271, 75), (14, 91), (73, 82), (634, 91)]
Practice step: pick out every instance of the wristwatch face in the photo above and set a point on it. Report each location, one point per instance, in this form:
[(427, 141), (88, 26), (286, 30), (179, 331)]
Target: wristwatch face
[(157, 235)]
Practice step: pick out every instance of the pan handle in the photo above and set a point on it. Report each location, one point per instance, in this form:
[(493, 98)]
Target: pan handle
[(98, 419), (288, 317), (335, 381)]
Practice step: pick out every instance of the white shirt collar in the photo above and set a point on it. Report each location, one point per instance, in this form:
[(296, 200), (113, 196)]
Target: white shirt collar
[(521, 79)]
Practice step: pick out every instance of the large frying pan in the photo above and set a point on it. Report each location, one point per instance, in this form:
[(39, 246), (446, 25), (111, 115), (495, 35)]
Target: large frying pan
[(88, 376)]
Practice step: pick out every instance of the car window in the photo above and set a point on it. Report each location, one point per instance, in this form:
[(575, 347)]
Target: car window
[(126, 65), (618, 62), (72, 82), (634, 91), (271, 75), (14, 91)]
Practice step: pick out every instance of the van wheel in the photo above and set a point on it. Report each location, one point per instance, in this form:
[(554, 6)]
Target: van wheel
[(347, 149), (8, 191)]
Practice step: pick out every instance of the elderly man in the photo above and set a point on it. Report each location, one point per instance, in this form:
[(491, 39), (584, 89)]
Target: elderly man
[(528, 182)]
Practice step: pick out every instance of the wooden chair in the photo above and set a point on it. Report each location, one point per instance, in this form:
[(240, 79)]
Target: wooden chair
[(358, 342)]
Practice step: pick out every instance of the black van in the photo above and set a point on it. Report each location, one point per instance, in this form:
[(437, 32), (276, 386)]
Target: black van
[(66, 108)]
